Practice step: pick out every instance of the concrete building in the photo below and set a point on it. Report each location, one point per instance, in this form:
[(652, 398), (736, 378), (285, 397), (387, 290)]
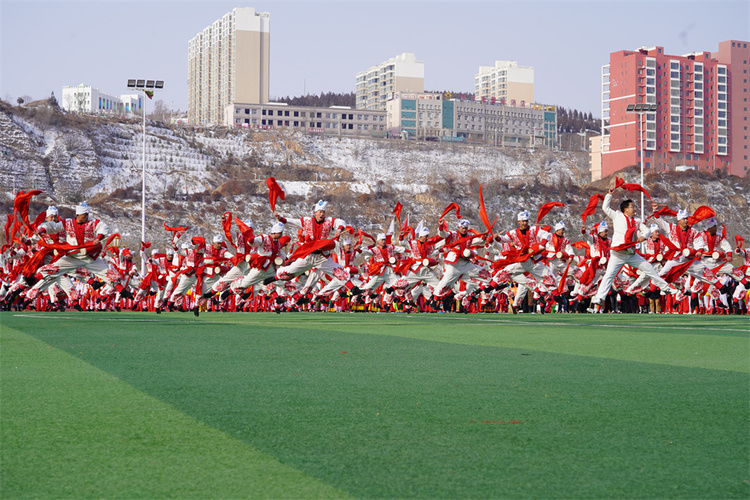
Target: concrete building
[(505, 80), (228, 62), (87, 99), (490, 121), (696, 110), (335, 120), (376, 85)]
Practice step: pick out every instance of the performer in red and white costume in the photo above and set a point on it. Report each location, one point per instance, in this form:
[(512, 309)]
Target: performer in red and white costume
[(314, 230), (689, 244), (382, 258), (558, 251), (345, 254), (529, 273), (422, 276), (627, 231), (717, 252), (79, 232), (263, 261), (246, 249), (458, 259)]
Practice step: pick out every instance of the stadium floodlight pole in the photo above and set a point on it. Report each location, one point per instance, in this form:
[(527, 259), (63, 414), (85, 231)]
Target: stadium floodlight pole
[(147, 87), (640, 109)]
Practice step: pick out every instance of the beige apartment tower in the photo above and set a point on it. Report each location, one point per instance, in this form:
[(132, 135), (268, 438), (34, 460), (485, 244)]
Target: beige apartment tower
[(505, 80), (376, 85), (228, 62)]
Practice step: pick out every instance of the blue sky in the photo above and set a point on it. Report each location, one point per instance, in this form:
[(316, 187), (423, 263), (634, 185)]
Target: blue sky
[(320, 46)]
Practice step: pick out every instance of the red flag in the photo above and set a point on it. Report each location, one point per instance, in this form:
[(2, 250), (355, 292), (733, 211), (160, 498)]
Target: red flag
[(307, 248), (483, 212), (21, 204), (663, 211), (452, 206), (397, 211), (546, 208), (591, 207), (635, 187), (226, 224), (274, 192), (740, 240), (247, 231), (562, 286), (678, 271), (39, 219), (177, 229), (618, 182), (7, 228), (701, 213)]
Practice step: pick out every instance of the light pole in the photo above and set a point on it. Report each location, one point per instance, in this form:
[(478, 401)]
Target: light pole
[(640, 109), (147, 87)]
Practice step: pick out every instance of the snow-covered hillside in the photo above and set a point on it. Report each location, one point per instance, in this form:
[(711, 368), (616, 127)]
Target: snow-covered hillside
[(193, 175)]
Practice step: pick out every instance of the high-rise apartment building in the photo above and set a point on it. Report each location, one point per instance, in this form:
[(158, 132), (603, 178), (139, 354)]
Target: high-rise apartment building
[(505, 80), (736, 55), (376, 85), (228, 62), (687, 110)]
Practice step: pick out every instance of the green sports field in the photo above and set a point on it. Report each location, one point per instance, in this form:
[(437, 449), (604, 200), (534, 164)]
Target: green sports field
[(137, 405)]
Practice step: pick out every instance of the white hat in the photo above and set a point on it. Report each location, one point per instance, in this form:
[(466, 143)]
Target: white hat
[(523, 215), (185, 245), (278, 227), (83, 208), (154, 251), (559, 225), (346, 241), (321, 205), (603, 226), (711, 222), (170, 251), (654, 228), (381, 236), (464, 222), (682, 214), (248, 223), (425, 231), (51, 210), (218, 238)]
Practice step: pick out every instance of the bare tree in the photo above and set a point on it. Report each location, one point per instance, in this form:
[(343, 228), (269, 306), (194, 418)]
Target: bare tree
[(160, 112)]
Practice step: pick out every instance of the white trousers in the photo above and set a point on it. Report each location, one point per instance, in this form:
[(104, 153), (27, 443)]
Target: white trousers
[(619, 259)]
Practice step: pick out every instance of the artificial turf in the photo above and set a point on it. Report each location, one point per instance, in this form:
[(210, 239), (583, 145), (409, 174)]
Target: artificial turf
[(136, 405)]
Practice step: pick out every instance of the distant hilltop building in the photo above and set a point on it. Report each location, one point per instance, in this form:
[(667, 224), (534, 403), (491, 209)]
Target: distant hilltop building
[(228, 62), (379, 83), (505, 80), (87, 99), (444, 117), (687, 112)]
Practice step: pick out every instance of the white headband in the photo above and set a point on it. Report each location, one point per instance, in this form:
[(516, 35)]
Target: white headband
[(83, 208)]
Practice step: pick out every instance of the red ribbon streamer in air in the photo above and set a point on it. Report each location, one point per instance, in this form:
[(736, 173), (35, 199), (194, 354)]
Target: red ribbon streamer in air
[(544, 210), (274, 192)]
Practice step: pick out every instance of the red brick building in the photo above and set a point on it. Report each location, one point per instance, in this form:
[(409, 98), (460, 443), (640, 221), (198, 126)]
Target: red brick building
[(691, 111)]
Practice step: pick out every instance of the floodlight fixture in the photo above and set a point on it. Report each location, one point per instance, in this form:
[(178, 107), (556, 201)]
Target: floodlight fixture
[(159, 84), (131, 84), (630, 107), (140, 84), (149, 84)]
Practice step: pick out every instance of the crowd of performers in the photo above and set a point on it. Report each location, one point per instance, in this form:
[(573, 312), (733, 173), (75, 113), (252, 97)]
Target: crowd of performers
[(319, 263)]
